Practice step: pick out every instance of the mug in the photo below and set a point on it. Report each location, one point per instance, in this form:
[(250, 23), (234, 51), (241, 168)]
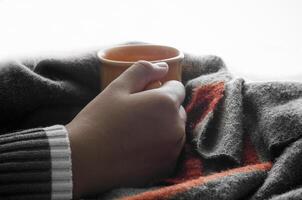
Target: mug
[(115, 60)]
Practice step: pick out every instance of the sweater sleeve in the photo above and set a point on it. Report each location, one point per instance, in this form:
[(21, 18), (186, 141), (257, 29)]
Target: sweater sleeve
[(36, 164)]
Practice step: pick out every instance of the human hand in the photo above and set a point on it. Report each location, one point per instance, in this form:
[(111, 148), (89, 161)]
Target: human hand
[(128, 136)]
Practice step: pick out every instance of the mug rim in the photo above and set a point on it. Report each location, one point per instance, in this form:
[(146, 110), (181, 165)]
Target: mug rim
[(100, 54)]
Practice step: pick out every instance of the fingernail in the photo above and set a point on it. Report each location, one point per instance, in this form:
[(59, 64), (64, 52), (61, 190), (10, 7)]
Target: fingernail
[(162, 64)]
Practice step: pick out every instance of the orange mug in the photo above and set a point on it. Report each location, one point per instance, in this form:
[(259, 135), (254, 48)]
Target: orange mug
[(115, 60)]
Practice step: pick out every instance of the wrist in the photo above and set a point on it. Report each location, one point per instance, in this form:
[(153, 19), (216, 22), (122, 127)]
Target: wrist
[(91, 167)]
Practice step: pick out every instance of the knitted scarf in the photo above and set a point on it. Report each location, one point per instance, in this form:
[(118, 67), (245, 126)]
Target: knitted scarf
[(243, 138)]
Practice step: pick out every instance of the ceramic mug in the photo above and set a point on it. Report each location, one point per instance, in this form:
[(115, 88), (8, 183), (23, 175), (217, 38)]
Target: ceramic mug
[(115, 60)]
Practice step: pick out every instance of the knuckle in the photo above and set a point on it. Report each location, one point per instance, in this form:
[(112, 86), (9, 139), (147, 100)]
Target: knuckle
[(179, 85), (114, 85), (176, 83), (144, 66), (166, 101)]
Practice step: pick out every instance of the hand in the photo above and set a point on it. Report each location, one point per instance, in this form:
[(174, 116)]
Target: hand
[(127, 136)]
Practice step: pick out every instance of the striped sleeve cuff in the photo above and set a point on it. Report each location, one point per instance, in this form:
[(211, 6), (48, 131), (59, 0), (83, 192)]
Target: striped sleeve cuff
[(61, 168), (35, 164)]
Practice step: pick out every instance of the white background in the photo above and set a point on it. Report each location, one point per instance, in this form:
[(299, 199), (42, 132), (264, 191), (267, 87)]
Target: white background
[(258, 39)]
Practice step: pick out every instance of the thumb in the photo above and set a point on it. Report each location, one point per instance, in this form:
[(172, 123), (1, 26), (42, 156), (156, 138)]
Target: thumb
[(140, 74)]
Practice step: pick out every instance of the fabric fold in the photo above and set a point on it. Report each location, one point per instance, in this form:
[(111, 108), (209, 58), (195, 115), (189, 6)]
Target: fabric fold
[(224, 135)]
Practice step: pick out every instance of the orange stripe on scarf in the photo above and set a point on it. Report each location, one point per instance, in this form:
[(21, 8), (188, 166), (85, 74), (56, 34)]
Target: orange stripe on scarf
[(249, 152), (169, 191), (204, 100)]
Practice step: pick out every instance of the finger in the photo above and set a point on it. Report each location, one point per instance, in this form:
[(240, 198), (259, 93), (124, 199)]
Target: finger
[(175, 89), (140, 74), (182, 140), (182, 114), (182, 123)]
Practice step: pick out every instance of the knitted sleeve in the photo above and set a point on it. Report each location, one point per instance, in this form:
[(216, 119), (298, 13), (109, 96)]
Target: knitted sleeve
[(36, 164)]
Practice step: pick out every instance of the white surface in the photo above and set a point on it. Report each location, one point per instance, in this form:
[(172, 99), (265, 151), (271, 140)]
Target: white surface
[(258, 39)]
